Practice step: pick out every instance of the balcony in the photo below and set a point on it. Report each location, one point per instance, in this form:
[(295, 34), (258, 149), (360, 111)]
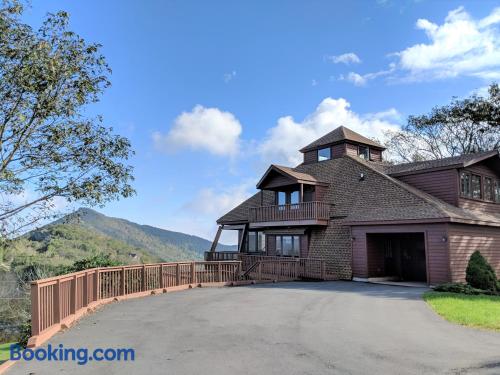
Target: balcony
[(305, 213)]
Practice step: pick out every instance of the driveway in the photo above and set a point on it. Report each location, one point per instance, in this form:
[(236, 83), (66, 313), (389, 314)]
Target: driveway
[(288, 328)]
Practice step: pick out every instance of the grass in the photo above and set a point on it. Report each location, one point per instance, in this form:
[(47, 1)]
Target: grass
[(479, 311), (4, 351)]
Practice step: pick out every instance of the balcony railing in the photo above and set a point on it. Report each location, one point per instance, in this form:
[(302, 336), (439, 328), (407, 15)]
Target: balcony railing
[(290, 212)]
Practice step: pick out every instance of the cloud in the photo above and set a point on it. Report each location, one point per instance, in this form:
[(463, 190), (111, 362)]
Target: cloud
[(283, 141), (229, 76), (346, 58), (314, 82), (461, 46), (362, 80), (208, 129)]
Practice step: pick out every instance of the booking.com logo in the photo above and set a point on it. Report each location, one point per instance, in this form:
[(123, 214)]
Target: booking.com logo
[(81, 355)]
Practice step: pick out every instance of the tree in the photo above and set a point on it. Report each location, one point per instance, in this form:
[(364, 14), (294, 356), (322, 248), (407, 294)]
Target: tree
[(49, 148), (461, 127)]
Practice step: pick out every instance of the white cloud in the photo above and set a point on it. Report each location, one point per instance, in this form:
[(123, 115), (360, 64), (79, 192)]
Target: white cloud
[(229, 76), (283, 141), (362, 80), (459, 46), (208, 129), (346, 58)]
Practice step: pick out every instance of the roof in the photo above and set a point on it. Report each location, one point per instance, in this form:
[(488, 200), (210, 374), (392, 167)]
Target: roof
[(378, 197), (451, 162), (341, 134), (298, 177)]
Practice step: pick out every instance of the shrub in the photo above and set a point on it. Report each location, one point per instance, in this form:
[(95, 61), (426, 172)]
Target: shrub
[(480, 274), (461, 288), (99, 260)]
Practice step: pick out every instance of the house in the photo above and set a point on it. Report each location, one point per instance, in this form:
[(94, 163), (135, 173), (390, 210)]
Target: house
[(369, 219)]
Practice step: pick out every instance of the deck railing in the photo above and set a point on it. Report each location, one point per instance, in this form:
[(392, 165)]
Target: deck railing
[(218, 256), (310, 268), (290, 212), (58, 301)]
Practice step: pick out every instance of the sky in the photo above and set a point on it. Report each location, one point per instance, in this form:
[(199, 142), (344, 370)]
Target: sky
[(211, 92)]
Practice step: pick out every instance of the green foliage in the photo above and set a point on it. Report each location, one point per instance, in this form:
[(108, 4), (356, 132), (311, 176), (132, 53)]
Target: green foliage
[(464, 126), (461, 288), (48, 77), (479, 273), (98, 260)]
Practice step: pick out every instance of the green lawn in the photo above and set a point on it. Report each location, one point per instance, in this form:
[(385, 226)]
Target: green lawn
[(474, 311), (4, 351)]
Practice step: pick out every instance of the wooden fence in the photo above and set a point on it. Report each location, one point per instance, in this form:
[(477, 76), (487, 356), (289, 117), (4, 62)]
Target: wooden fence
[(307, 268), (58, 301)]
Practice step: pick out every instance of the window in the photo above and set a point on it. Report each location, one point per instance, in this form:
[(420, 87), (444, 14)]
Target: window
[(465, 184), (488, 189), (497, 191), (476, 186), (324, 154), (281, 197), (294, 199), (364, 152), (288, 246), (256, 242)]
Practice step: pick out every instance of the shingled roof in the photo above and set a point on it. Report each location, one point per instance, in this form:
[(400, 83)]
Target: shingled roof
[(377, 197), (292, 174), (451, 162), (338, 135)]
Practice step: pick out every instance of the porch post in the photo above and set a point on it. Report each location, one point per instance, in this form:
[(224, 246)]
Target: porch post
[(216, 239), (242, 239), (301, 198)]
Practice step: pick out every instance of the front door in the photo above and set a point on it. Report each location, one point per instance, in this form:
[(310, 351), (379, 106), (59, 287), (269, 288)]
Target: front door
[(404, 256)]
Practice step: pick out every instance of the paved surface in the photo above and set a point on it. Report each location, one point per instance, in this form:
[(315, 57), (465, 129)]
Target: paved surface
[(288, 328)]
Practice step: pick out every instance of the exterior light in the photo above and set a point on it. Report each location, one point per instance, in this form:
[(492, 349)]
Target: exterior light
[(444, 239), (361, 177)]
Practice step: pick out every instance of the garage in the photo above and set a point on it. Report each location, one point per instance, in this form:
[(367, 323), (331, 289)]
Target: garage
[(397, 256)]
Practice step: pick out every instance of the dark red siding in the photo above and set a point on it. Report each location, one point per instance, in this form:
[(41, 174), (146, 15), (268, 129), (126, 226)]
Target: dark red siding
[(464, 240), (310, 157), (441, 184)]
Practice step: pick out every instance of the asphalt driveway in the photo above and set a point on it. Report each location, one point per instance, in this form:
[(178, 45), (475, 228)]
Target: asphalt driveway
[(288, 328)]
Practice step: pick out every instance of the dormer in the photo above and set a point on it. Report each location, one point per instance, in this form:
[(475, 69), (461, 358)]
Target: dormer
[(339, 142)]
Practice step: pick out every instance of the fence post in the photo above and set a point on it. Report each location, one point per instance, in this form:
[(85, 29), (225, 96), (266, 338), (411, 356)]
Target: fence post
[(177, 274), (143, 278), (162, 284), (73, 298), (96, 285), (323, 270), (219, 275), (57, 302), (193, 273), (122, 282), (259, 273), (85, 290), (35, 309), (297, 266)]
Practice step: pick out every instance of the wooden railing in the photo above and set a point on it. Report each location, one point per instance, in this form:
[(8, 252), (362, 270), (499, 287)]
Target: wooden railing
[(310, 268), (58, 301), (290, 212), (216, 256)]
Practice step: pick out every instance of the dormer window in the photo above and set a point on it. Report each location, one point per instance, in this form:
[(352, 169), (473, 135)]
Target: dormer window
[(364, 152), (324, 154)]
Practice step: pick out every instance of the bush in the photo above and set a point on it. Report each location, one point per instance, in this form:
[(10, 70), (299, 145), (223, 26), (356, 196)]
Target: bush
[(458, 288), (99, 260), (480, 274)]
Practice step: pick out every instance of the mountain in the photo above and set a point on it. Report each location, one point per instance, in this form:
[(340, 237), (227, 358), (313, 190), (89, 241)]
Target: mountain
[(164, 244)]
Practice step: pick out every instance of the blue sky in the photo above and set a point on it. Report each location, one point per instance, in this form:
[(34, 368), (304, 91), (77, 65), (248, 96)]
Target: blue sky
[(210, 93)]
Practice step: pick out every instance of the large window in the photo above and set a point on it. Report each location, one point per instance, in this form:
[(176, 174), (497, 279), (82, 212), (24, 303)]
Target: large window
[(288, 197), (476, 186), (256, 242), (364, 152), (288, 246), (489, 189), (497, 191), (465, 189), (324, 154)]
